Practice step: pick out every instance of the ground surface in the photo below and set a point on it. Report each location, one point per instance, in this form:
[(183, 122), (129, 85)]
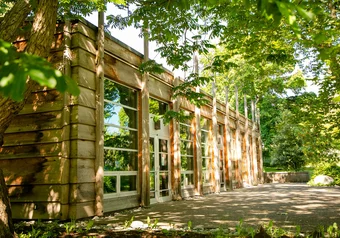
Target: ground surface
[(287, 205)]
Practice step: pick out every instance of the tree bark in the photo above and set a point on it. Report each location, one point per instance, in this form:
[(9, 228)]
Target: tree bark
[(39, 43), (6, 225), (14, 19)]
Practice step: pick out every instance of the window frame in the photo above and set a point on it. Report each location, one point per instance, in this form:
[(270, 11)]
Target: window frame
[(119, 174), (207, 158), (187, 172)]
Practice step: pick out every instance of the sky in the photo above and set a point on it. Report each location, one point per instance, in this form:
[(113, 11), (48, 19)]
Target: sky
[(130, 36)]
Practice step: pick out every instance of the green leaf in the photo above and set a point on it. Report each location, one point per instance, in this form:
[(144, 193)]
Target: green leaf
[(336, 98), (304, 13), (319, 38), (42, 78)]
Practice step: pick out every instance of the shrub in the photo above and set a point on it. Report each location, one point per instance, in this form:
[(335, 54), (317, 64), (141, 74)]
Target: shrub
[(330, 169)]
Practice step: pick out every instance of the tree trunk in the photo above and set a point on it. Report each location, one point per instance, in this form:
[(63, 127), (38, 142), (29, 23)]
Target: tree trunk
[(39, 43), (6, 225), (14, 19)]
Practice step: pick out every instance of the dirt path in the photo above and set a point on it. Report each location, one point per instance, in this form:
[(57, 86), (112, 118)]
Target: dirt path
[(287, 205)]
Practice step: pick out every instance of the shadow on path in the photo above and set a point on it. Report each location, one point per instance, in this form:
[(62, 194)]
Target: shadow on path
[(287, 205)]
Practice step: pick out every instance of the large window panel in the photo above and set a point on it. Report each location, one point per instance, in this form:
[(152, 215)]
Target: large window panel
[(119, 94), (120, 140), (187, 153), (206, 145), (120, 116), (120, 160)]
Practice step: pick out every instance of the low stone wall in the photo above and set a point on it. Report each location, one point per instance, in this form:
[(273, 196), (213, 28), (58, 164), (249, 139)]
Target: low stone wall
[(286, 177)]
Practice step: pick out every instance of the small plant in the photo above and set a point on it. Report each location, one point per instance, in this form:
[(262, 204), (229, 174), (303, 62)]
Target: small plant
[(155, 223), (251, 231), (148, 222), (297, 231), (333, 231), (70, 226), (221, 233), (189, 225), (166, 232), (89, 225), (152, 225), (321, 231), (274, 231), (128, 223), (241, 231)]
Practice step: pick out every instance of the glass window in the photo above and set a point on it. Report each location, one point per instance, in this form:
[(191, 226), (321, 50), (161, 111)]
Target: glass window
[(187, 152), (120, 95), (120, 138), (110, 184), (206, 146), (157, 107)]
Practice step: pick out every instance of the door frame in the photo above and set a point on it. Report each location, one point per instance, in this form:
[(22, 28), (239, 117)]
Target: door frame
[(162, 133)]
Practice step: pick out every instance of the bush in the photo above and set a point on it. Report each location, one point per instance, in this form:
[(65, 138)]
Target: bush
[(287, 145), (330, 169)]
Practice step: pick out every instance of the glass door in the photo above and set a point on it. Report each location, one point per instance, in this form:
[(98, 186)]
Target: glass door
[(220, 145), (222, 171), (159, 170)]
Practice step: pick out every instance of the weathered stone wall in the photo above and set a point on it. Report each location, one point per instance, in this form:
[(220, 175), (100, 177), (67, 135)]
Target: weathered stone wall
[(286, 177)]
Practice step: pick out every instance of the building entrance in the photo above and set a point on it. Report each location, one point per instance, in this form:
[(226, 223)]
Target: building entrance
[(160, 167)]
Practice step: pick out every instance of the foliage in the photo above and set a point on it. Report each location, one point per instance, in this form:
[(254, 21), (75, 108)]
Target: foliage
[(15, 67), (287, 144), (55, 229), (330, 169)]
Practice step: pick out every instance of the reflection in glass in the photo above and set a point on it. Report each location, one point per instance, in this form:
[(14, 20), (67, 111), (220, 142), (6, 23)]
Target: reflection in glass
[(187, 163), (187, 148), (120, 138), (119, 94), (187, 179), (157, 107), (152, 181), (163, 180), (120, 116), (118, 160), (185, 132), (163, 161), (110, 184), (163, 145), (128, 183)]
